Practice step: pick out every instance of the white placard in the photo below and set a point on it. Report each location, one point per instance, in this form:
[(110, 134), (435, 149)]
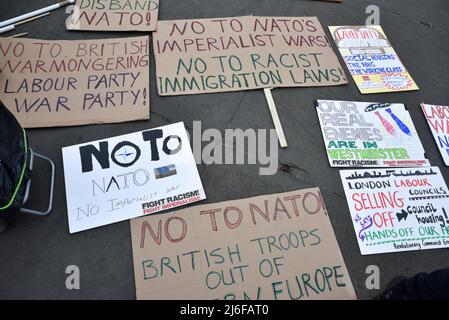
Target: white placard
[(367, 134), (128, 176), (438, 120), (398, 209)]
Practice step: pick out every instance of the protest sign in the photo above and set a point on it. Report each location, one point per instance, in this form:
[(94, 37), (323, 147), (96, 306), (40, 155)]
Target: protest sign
[(438, 120), (279, 246), (371, 59), (128, 176), (366, 134), (398, 209), (114, 15), (65, 83), (242, 53)]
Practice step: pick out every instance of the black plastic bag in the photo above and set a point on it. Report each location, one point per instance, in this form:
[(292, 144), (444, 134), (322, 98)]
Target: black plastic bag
[(14, 157)]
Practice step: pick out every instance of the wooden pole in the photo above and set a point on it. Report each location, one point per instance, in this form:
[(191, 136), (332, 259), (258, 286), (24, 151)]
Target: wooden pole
[(275, 117), (19, 35)]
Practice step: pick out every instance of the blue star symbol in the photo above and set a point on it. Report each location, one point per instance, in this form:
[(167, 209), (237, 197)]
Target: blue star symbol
[(125, 154)]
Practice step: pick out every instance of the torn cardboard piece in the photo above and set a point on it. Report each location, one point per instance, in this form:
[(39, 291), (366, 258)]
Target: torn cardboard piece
[(117, 15), (243, 53), (395, 210), (261, 248), (369, 134), (128, 176)]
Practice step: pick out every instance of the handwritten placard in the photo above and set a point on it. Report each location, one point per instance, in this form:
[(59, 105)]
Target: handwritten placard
[(367, 134), (398, 209), (371, 59), (278, 246), (438, 120), (114, 15), (241, 53), (128, 176), (65, 83)]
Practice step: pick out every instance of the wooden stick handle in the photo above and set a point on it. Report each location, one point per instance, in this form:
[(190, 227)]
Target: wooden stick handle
[(275, 117)]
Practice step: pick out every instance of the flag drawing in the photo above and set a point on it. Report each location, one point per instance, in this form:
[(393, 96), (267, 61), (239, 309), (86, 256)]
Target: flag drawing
[(164, 172), (386, 124), (398, 121)]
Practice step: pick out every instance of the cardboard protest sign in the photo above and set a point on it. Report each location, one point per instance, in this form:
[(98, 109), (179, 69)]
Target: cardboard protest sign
[(128, 176), (398, 209), (65, 83), (114, 15), (242, 53), (367, 134), (371, 59), (279, 246), (438, 120)]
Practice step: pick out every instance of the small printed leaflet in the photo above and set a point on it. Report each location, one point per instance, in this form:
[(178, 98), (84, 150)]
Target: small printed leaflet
[(371, 59)]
